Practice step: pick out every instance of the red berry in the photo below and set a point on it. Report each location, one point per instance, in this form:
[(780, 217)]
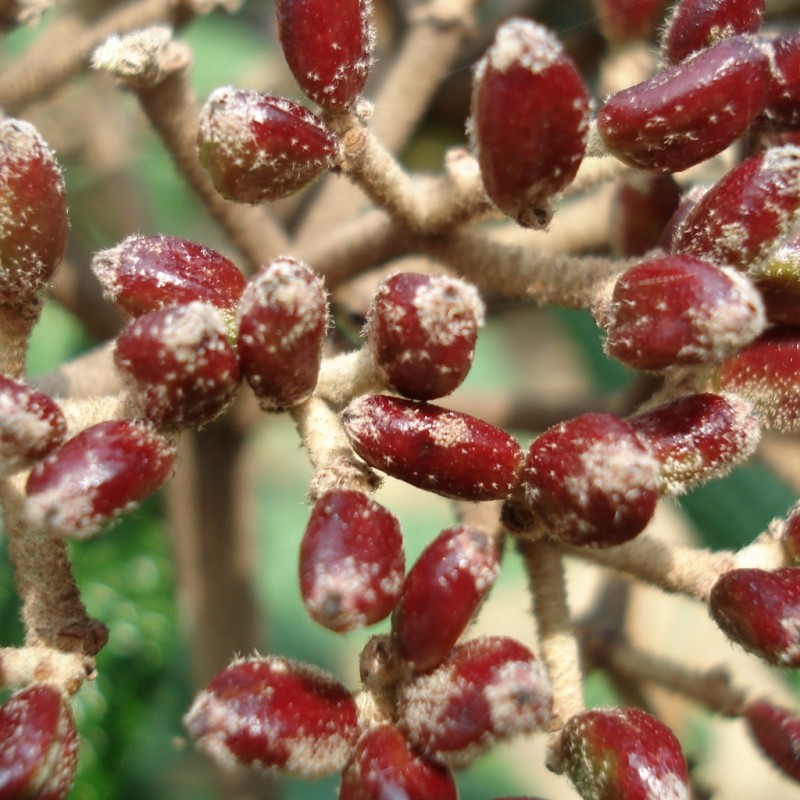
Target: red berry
[(328, 47), (276, 713), (624, 21), (530, 120), (760, 610), (441, 594), (591, 481), (96, 475), (182, 366), (31, 425), (765, 372), (777, 733), (686, 204), (38, 745), (442, 451), (283, 317), (421, 330), (145, 273), (697, 24), (488, 689), (739, 221), (698, 437), (351, 561), (677, 310), (385, 766), (258, 148), (783, 94), (688, 112)]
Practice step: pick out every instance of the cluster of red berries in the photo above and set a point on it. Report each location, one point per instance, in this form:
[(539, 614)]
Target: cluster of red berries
[(712, 305)]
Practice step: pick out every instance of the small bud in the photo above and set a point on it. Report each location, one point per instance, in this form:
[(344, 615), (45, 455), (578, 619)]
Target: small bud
[(612, 753), (697, 24), (182, 366), (741, 219), (777, 734), (38, 745), (783, 94), (31, 425), (760, 610), (623, 21), (276, 713), (688, 112), (777, 278), (591, 480), (328, 47), (258, 148), (441, 594), (385, 766), (530, 120), (441, 451), (351, 561), (145, 273), (489, 689), (676, 310), (97, 475), (698, 437), (34, 212), (421, 331), (283, 317)]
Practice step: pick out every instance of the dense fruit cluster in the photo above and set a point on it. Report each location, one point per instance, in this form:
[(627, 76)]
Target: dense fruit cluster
[(695, 286)]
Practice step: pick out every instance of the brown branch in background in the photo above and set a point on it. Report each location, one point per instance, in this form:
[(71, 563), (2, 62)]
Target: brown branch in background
[(16, 325)]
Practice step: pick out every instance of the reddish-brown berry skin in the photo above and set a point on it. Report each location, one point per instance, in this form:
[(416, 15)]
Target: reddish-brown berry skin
[(783, 95), (421, 331), (385, 766), (328, 47), (765, 372), (145, 273), (530, 120), (183, 368), (697, 24), (698, 437), (677, 310), (258, 148), (688, 112), (760, 610), (488, 689), (351, 561), (776, 731), (446, 452), (96, 475), (38, 745), (283, 317), (34, 212), (441, 594), (276, 713), (624, 21), (591, 480), (31, 425), (615, 753)]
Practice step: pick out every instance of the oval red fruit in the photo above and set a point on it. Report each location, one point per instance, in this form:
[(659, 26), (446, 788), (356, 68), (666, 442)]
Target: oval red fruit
[(777, 734)]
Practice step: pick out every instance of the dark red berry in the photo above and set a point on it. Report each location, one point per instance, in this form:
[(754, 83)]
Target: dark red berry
[(442, 451), (34, 212), (591, 481), (328, 47), (688, 112), (488, 689), (441, 594), (676, 310), (38, 745), (258, 147), (276, 713), (145, 273), (783, 94), (760, 610), (615, 753), (777, 734), (385, 766), (421, 331), (530, 120), (96, 475), (283, 317), (351, 561), (624, 21), (31, 425)]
